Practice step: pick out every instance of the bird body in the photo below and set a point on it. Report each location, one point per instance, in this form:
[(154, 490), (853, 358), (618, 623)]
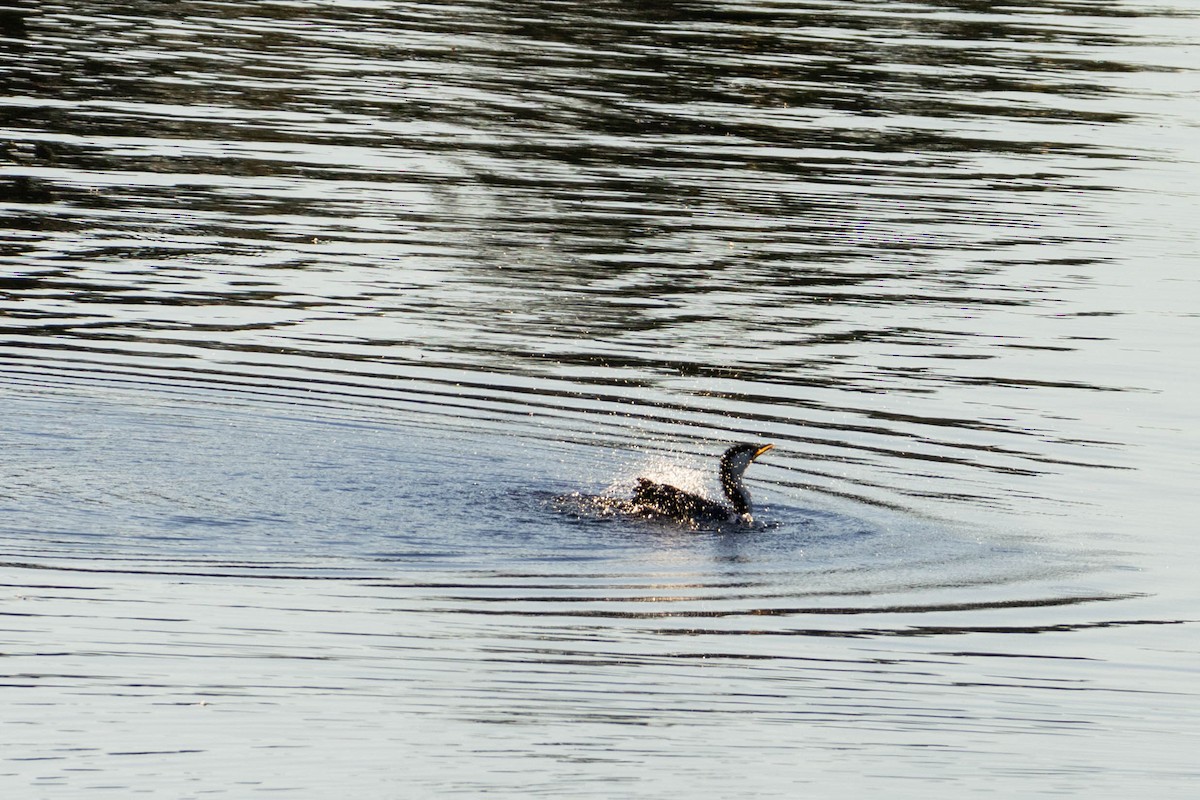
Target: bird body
[(663, 500)]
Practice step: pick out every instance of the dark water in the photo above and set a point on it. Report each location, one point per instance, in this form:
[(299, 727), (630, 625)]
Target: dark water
[(311, 314)]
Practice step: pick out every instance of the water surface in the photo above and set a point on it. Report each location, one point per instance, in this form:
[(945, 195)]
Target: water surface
[(311, 313)]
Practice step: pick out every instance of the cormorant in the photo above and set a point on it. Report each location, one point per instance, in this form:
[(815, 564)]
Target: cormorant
[(663, 500)]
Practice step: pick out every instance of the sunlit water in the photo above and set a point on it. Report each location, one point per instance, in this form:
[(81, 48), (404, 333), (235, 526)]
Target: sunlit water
[(318, 318)]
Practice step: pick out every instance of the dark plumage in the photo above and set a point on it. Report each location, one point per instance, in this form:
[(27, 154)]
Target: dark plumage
[(664, 500)]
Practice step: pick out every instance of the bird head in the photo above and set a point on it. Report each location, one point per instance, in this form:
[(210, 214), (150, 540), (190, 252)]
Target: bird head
[(738, 457)]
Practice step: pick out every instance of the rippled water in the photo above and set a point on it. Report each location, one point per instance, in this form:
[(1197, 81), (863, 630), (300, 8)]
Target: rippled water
[(313, 313)]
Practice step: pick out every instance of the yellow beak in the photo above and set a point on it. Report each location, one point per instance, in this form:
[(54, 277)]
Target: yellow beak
[(762, 450)]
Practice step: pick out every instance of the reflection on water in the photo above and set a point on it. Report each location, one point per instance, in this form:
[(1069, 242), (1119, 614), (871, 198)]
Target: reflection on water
[(308, 311), (791, 220)]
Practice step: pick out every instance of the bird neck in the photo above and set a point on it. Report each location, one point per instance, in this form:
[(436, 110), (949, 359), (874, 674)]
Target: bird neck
[(731, 483)]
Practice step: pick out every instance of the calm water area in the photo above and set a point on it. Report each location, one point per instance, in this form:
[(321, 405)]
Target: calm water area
[(318, 317)]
